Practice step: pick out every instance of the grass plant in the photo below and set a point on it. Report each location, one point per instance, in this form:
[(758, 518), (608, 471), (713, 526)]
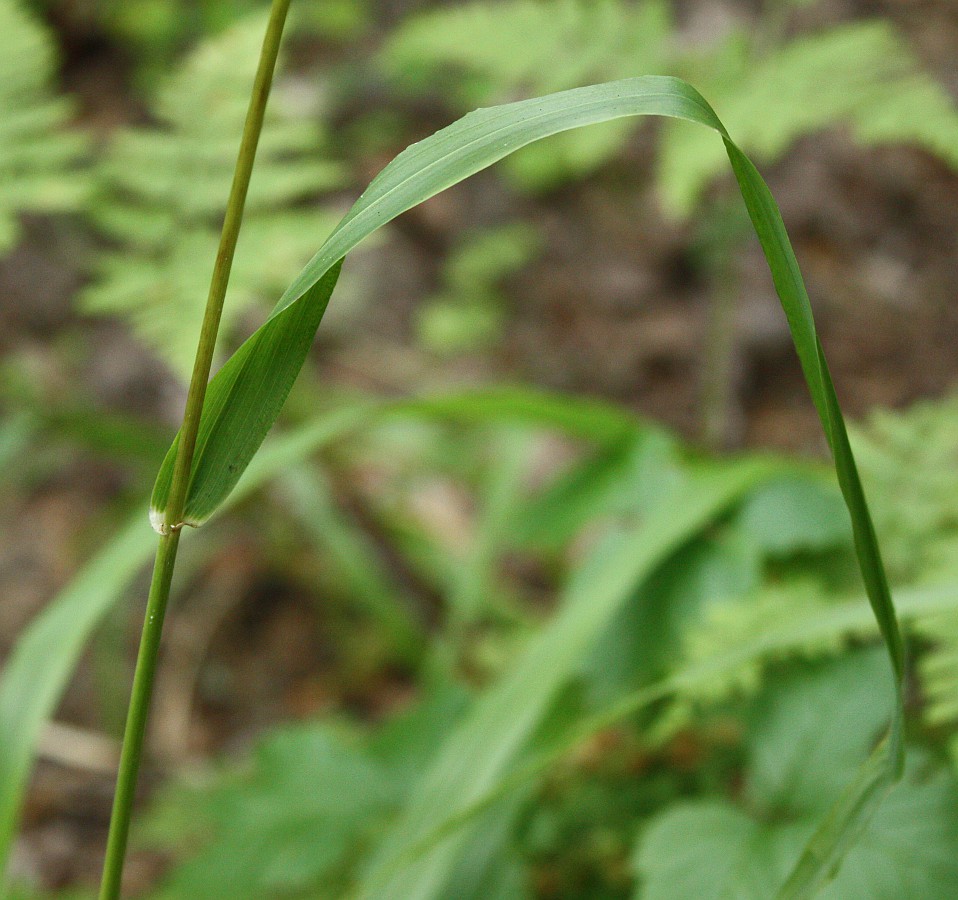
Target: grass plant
[(227, 419)]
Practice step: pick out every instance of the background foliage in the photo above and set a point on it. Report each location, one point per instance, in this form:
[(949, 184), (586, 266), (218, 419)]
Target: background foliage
[(400, 567)]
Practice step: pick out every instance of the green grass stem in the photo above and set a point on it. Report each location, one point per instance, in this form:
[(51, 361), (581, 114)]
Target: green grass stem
[(171, 525)]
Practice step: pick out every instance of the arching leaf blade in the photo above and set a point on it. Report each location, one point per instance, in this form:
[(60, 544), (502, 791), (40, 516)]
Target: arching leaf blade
[(449, 156), (227, 441)]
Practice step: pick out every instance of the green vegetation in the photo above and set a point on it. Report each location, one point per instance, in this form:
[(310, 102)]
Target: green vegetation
[(162, 192), (37, 164), (569, 655)]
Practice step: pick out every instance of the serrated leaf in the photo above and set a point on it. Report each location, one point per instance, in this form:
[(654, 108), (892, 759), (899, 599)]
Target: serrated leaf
[(806, 739)]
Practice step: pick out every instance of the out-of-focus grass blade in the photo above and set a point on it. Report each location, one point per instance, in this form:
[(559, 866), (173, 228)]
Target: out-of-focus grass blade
[(263, 369), (308, 495), (38, 670), (474, 589), (485, 746), (40, 665), (592, 420)]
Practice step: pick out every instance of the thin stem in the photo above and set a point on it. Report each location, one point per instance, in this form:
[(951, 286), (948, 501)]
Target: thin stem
[(169, 541), (224, 262), (136, 718)]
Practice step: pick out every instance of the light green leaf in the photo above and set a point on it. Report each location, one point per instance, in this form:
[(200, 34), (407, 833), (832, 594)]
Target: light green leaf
[(621, 479), (313, 795), (711, 850), (796, 515), (808, 735), (42, 660), (291, 821)]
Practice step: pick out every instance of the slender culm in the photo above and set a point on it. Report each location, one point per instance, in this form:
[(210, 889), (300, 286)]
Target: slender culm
[(169, 539)]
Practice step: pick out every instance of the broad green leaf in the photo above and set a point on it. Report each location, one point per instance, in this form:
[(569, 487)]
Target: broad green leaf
[(291, 821), (644, 637), (616, 480), (412, 863), (246, 396), (312, 797), (796, 515), (808, 734)]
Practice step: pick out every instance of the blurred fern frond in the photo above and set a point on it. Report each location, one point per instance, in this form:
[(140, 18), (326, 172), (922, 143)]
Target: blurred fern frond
[(862, 76), (161, 194), (939, 669), (513, 48), (38, 156), (908, 462), (532, 45)]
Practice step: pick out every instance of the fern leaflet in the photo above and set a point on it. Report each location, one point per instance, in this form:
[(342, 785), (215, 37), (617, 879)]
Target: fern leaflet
[(38, 156), (161, 191)]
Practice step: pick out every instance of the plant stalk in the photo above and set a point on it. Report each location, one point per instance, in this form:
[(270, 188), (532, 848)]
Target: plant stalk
[(169, 541)]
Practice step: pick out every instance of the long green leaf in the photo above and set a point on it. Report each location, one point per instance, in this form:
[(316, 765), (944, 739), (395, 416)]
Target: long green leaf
[(246, 395), (257, 386)]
